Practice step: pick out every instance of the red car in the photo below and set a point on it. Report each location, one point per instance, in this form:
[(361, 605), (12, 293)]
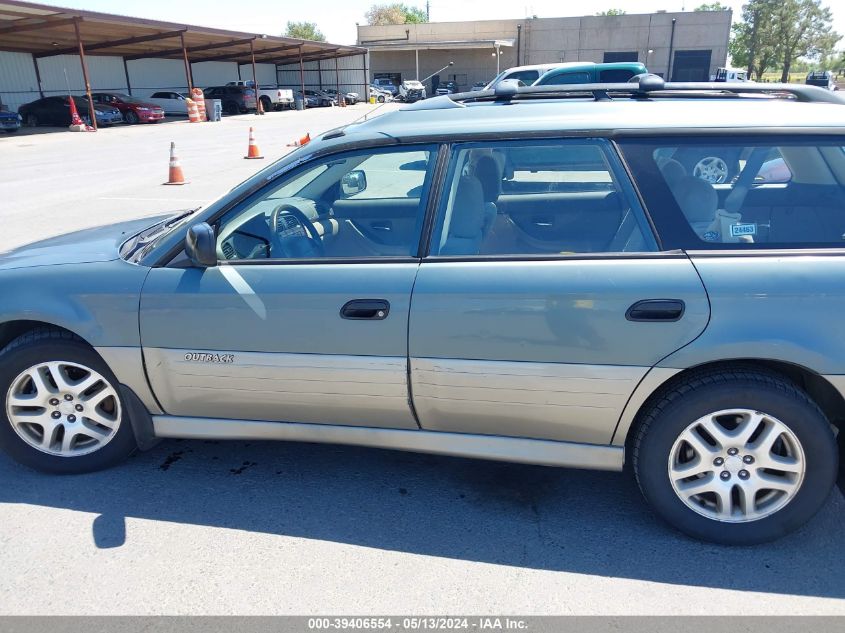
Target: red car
[(133, 110)]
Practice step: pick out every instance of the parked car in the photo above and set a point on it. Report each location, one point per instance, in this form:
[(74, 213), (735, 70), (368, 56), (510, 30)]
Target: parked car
[(170, 102), (527, 74), (538, 283), (56, 111), (382, 96), (350, 98), (447, 88), (386, 85), (10, 122), (822, 78), (235, 99), (411, 90), (134, 110), (271, 97), (312, 99), (730, 75), (590, 73), (320, 99), (479, 85)]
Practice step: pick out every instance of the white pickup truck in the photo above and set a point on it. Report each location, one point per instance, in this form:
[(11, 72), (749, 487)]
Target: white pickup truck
[(271, 97)]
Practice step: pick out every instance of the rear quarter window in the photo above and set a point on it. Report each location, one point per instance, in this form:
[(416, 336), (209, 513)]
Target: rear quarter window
[(734, 193)]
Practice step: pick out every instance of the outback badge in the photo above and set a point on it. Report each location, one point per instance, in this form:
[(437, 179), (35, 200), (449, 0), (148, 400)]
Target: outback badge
[(203, 357)]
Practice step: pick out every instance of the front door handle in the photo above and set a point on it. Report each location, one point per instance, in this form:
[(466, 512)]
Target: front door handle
[(360, 309), (656, 310)]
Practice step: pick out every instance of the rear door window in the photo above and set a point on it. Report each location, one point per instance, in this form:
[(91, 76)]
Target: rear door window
[(559, 197), (778, 192)]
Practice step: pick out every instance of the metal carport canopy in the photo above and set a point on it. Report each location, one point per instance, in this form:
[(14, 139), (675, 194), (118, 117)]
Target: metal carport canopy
[(44, 31)]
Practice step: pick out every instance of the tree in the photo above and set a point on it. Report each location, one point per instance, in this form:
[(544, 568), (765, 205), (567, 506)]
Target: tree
[(780, 32), (712, 6), (612, 12), (395, 13), (304, 31), (752, 44), (803, 28)]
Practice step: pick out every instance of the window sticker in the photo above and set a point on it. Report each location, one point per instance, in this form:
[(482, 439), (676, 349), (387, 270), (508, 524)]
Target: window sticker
[(739, 229)]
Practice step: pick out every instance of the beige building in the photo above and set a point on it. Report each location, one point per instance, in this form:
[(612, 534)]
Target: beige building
[(686, 46)]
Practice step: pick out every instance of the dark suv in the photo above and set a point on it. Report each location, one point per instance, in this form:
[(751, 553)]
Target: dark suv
[(236, 99)]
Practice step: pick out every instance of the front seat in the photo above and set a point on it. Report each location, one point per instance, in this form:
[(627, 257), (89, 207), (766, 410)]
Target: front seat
[(698, 202), (489, 174), (466, 224)]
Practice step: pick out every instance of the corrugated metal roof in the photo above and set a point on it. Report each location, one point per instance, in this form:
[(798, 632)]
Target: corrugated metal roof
[(47, 31)]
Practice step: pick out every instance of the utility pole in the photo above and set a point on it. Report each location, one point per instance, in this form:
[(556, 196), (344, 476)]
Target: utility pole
[(427, 11)]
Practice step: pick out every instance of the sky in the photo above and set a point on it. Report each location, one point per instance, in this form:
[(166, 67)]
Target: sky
[(337, 18)]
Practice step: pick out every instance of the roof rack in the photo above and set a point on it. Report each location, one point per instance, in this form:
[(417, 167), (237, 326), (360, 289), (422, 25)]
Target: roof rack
[(640, 87)]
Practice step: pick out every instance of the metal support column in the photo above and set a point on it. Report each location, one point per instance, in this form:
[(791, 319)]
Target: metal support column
[(337, 82), (302, 79), (91, 111), (188, 76), (258, 107), (37, 75), (126, 72), (417, 58)]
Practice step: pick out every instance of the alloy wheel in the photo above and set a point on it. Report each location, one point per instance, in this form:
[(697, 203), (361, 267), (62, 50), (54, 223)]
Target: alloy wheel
[(736, 465), (63, 408), (711, 169)]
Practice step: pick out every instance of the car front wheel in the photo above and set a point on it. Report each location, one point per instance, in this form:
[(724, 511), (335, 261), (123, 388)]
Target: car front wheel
[(738, 456), (31, 120), (131, 118), (63, 411)]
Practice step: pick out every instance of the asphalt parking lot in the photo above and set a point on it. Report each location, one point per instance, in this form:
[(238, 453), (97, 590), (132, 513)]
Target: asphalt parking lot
[(197, 527)]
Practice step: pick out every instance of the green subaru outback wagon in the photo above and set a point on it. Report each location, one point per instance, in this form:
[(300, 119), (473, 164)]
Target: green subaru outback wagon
[(523, 274)]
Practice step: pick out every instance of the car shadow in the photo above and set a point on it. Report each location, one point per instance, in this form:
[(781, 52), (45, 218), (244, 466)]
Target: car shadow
[(505, 514)]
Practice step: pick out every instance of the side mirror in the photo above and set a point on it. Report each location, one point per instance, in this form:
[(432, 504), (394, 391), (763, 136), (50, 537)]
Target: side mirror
[(353, 182), (200, 246)]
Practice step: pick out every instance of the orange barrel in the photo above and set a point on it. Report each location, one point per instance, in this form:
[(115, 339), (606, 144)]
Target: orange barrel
[(198, 96), (193, 111)]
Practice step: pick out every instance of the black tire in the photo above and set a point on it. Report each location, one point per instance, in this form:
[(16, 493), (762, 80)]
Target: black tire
[(131, 118), (230, 107), (45, 345), (31, 120), (719, 389), (380, 99), (266, 104)]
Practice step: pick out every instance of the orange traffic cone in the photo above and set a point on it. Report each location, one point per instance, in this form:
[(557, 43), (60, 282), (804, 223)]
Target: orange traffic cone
[(253, 151), (176, 177), (303, 141)]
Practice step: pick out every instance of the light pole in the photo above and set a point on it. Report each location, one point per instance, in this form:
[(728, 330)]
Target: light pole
[(647, 55), (497, 54)]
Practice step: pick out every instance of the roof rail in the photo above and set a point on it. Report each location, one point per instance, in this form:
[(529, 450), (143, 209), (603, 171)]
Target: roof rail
[(646, 86)]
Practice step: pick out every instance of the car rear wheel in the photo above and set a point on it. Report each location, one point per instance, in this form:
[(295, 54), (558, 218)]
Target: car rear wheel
[(131, 118), (266, 104), (739, 456), (62, 411), (232, 108)]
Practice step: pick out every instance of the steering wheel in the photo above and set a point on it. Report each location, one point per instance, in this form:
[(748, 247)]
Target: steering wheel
[(286, 235)]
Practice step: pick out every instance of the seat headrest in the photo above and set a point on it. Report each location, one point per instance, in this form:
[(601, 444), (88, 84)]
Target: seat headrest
[(696, 198), (489, 174), (672, 170), (468, 211)]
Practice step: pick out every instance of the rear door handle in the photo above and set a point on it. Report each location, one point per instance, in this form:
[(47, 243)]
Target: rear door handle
[(360, 309), (656, 310)]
